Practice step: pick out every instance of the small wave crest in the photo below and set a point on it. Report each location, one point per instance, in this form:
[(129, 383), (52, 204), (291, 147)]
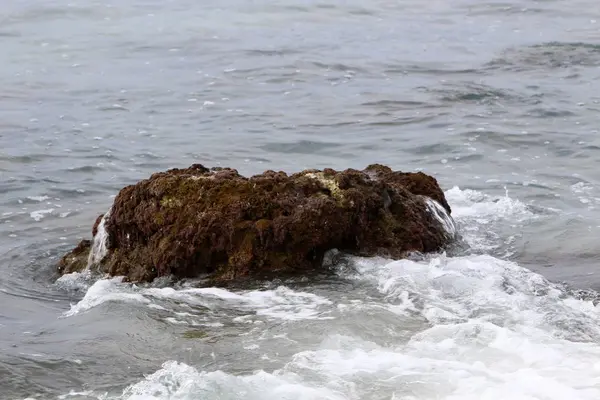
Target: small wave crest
[(281, 303), (480, 217), (180, 381), (483, 288)]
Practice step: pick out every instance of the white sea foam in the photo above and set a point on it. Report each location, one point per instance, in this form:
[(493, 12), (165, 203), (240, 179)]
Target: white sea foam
[(38, 215), (480, 216), (586, 194), (482, 288), (481, 208), (180, 381), (39, 199), (495, 331)]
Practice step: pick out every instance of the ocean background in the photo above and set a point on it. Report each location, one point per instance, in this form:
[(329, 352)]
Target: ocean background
[(499, 100)]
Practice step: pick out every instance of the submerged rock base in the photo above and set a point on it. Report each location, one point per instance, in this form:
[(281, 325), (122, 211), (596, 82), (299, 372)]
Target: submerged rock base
[(216, 223)]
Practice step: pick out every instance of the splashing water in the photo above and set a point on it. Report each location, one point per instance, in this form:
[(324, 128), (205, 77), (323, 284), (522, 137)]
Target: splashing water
[(442, 216), (100, 243), (487, 222), (489, 329)]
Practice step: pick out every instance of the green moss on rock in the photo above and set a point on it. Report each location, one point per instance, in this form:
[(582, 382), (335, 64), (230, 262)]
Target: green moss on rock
[(328, 182)]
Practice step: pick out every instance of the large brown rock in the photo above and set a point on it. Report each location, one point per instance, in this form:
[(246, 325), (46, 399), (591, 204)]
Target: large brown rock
[(198, 222)]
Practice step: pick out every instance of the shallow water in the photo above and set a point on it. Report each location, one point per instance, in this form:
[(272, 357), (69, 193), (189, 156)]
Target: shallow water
[(498, 100)]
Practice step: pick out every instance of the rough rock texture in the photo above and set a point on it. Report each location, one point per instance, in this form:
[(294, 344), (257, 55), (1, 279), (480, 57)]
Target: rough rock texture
[(199, 222), (95, 228), (76, 260)]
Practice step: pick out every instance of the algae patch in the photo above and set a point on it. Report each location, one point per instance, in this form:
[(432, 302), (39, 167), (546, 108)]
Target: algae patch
[(170, 202), (328, 183)]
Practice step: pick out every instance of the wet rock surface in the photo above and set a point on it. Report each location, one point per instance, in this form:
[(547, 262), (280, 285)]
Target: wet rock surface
[(200, 222), (77, 259)]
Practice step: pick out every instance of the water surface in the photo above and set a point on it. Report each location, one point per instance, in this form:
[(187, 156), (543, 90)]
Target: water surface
[(498, 100)]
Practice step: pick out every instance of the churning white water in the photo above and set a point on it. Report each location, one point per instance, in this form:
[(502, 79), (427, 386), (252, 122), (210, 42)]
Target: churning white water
[(449, 328)]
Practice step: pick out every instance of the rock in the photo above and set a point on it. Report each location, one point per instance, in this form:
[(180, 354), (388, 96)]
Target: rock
[(95, 227), (215, 223), (77, 259)]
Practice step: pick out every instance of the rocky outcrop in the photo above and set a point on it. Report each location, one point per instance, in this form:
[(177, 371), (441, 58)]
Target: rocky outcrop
[(77, 259), (216, 223)]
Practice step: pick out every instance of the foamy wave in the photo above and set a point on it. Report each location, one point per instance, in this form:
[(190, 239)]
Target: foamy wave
[(492, 330), (496, 331), (484, 289), (180, 381), (102, 291), (470, 204), (467, 361), (452, 362), (281, 303), (480, 216)]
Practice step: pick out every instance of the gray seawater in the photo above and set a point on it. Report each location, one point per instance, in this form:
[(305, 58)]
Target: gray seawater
[(497, 99)]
